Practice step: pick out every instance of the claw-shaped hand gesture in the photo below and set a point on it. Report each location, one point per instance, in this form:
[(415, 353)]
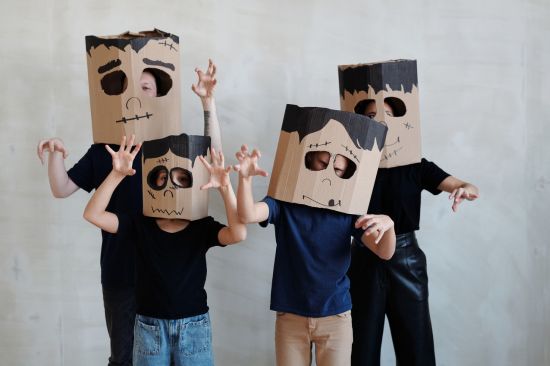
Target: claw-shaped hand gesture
[(219, 174), (248, 163), (207, 81), (124, 157)]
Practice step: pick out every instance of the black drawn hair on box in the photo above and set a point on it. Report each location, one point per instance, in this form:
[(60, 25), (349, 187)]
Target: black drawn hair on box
[(136, 40), (362, 130), (185, 146), (396, 74)]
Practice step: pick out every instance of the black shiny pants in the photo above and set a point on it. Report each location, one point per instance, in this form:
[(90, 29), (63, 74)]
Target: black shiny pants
[(398, 289)]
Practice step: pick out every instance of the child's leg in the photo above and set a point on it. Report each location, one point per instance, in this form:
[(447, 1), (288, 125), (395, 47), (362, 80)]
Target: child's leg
[(292, 340), (193, 341), (151, 342), (333, 337)]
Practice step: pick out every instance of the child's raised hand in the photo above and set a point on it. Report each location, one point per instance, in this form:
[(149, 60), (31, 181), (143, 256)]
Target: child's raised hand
[(219, 174), (51, 145), (124, 157), (466, 192), (207, 81), (248, 163), (374, 224)]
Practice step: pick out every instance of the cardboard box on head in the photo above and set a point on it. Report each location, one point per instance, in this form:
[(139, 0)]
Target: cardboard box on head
[(122, 72), (172, 176), (327, 159), (388, 92)]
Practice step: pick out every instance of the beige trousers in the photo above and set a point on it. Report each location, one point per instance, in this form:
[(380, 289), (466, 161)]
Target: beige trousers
[(295, 335)]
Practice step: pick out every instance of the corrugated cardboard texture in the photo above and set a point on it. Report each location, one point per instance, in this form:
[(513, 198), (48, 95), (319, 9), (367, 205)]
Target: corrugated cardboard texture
[(169, 201), (377, 82), (127, 110), (319, 129)]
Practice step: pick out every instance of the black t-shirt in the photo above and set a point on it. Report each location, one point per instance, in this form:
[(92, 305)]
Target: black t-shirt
[(117, 261), (397, 192), (170, 267)]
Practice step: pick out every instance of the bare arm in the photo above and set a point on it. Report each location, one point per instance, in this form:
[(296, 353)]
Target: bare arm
[(459, 190), (235, 231), (248, 210), (95, 211), (205, 90), (379, 235), (60, 184)]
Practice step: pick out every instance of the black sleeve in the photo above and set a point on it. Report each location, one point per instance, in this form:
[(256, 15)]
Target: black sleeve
[(431, 176), (209, 230), (82, 172)]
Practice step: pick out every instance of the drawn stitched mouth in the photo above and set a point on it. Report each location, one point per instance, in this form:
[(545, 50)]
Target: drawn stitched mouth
[(390, 154), (147, 115), (165, 211), (331, 202)]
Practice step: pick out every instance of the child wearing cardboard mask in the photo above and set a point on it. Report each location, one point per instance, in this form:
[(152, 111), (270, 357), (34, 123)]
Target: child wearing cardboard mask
[(310, 289), (114, 90), (170, 252), (397, 288)]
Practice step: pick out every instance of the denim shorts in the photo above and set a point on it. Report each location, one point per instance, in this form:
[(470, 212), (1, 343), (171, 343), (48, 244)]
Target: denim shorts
[(181, 342)]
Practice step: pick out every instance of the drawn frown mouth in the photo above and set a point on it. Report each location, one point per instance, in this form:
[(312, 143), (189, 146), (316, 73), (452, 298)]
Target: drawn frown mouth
[(147, 115), (331, 202)]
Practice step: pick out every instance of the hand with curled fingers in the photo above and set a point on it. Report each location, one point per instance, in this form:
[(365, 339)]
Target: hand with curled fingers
[(248, 163), (375, 225), (207, 81), (219, 173), (51, 145), (124, 157), (465, 192)]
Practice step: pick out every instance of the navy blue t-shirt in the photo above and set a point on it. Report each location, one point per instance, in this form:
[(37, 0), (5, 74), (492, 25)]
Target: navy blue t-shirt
[(397, 192), (170, 267), (117, 261), (312, 257)]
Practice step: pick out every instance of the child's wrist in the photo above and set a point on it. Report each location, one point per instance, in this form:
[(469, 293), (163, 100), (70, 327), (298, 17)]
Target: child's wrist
[(207, 102)]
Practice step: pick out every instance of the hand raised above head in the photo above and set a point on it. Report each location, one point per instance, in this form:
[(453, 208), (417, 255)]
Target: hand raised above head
[(124, 157), (207, 81), (248, 163), (219, 173)]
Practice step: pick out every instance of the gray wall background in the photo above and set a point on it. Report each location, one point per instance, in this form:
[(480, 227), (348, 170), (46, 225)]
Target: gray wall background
[(483, 78)]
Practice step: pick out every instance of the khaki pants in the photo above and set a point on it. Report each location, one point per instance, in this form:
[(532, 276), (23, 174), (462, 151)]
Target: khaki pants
[(295, 335)]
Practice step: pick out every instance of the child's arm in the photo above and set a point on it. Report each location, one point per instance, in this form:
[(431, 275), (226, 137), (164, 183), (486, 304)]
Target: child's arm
[(205, 90), (248, 210), (95, 211), (459, 190), (235, 231), (379, 235), (60, 184)]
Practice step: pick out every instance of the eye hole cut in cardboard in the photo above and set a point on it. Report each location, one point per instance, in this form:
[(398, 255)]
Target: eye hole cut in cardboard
[(314, 139), (319, 160), (134, 85), (387, 92)]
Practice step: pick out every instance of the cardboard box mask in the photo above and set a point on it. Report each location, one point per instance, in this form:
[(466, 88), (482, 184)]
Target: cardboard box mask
[(368, 87), (327, 159), (172, 176), (119, 105)]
